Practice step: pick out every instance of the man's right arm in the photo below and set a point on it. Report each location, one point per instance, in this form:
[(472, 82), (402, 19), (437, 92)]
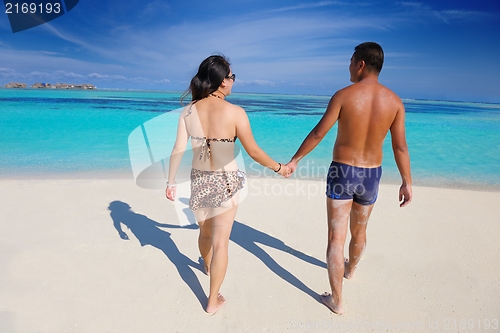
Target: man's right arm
[(402, 156), (319, 131)]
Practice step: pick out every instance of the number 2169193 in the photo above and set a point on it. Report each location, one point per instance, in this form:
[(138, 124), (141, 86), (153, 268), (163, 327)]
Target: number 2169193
[(33, 8)]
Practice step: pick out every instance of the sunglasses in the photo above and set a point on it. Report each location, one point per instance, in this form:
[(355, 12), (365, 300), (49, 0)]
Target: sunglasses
[(232, 77)]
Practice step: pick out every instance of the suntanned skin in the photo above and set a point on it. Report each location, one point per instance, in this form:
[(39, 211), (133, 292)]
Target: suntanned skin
[(365, 111), (216, 118)]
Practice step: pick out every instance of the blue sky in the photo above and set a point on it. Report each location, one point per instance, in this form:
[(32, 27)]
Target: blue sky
[(446, 50)]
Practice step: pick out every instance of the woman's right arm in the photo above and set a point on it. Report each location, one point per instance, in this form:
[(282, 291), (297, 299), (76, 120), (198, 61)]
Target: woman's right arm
[(176, 156), (244, 133)]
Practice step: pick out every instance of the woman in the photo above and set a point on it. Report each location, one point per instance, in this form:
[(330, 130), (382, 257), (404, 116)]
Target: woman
[(213, 124)]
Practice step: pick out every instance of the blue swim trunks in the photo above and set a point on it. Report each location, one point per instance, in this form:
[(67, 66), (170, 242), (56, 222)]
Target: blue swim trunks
[(346, 182)]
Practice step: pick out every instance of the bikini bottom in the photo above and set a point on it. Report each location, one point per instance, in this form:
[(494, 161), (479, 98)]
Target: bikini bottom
[(209, 189)]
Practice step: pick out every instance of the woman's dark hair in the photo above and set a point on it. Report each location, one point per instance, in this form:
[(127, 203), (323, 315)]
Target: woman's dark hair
[(212, 71), (372, 54)]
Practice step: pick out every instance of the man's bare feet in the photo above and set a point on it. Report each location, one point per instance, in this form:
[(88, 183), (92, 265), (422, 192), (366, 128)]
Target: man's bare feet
[(348, 269), (211, 309), (327, 299)]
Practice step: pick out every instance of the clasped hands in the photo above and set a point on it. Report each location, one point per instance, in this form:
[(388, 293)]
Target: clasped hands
[(287, 169)]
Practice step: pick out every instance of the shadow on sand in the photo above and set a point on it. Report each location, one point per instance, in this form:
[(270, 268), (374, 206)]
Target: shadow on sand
[(248, 237), (148, 232)]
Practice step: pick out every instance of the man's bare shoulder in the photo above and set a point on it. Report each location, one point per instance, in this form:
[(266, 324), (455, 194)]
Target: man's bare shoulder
[(341, 94), (344, 90), (389, 92), (355, 88), (392, 98)]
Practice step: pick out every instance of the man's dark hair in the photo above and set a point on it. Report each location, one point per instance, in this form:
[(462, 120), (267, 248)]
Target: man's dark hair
[(372, 54)]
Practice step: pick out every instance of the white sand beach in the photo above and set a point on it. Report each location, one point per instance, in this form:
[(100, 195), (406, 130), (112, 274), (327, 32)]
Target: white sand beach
[(429, 267)]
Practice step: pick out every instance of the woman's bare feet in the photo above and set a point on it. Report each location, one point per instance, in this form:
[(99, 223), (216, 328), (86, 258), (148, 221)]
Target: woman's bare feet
[(348, 269), (327, 299), (205, 266), (219, 302)]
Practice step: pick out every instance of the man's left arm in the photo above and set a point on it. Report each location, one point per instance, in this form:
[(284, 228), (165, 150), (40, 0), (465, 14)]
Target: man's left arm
[(402, 156)]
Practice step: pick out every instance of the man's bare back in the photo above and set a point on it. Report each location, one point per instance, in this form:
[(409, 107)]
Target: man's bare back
[(367, 111)]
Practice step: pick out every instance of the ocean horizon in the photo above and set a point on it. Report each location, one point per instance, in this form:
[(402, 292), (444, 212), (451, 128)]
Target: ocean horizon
[(85, 133)]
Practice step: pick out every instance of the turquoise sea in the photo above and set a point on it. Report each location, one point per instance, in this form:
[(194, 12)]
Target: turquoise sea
[(46, 133)]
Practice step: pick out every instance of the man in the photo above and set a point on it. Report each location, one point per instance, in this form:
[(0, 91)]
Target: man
[(365, 111)]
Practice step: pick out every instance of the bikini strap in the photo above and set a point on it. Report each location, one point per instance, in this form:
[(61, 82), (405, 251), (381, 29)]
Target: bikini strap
[(189, 111)]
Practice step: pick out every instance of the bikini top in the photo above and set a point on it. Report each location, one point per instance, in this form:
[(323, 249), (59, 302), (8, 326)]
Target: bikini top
[(205, 146)]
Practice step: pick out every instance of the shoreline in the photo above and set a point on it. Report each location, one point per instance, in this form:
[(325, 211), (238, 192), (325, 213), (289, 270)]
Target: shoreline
[(128, 175)]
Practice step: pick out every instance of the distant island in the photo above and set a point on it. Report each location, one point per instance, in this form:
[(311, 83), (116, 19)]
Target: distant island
[(39, 85)]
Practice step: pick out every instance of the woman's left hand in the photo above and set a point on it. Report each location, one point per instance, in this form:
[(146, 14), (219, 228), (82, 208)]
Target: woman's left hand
[(170, 192)]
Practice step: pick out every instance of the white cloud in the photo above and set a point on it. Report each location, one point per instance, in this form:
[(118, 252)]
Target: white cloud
[(153, 8), (106, 77), (256, 82), (248, 41), (140, 80), (10, 73), (38, 74), (162, 81), (50, 53), (425, 12), (98, 76), (412, 4), (464, 15), (304, 6), (109, 78), (64, 74)]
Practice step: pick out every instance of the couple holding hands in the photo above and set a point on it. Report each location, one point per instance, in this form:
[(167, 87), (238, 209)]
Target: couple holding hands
[(365, 111)]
